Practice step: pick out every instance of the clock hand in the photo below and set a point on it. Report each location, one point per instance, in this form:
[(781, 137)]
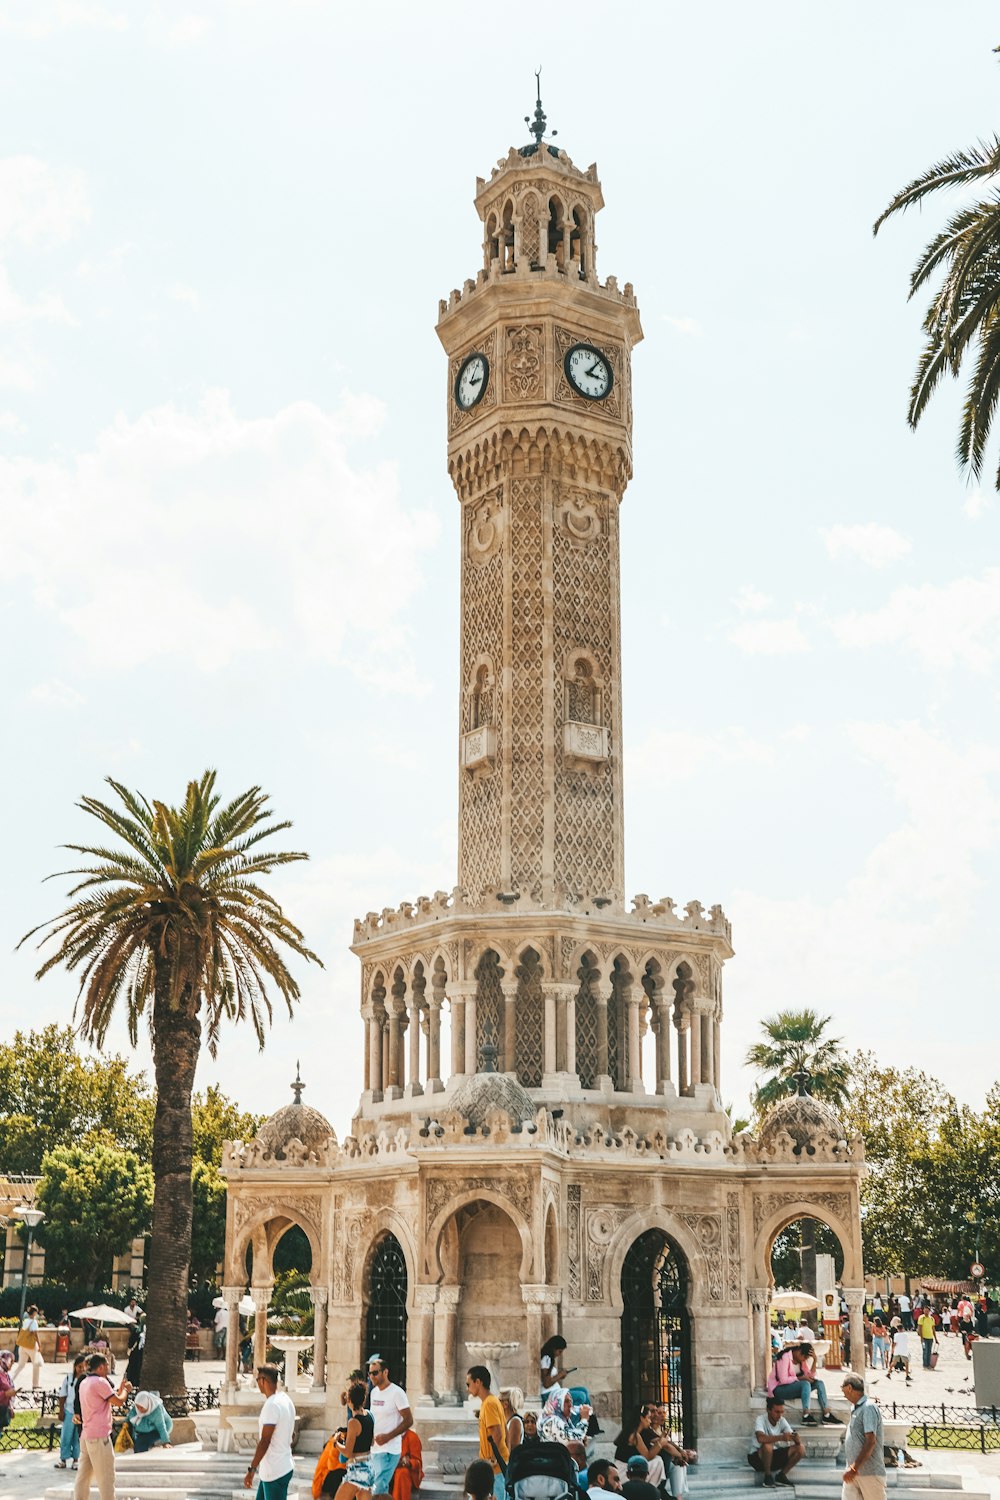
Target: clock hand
[(475, 379)]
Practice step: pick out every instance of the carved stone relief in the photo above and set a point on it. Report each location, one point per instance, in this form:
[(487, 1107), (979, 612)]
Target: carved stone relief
[(523, 352), (513, 1186), (603, 1224), (485, 523), (612, 404), (838, 1204), (573, 1239), (707, 1229), (733, 1248)]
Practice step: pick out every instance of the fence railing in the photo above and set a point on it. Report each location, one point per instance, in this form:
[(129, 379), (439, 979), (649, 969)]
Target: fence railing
[(36, 1422), (943, 1426)]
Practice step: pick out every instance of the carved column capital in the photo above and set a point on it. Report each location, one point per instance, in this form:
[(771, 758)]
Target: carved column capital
[(562, 991), (536, 1295), (319, 1296), (449, 1296), (261, 1297), (760, 1297), (425, 1296), (854, 1296), (231, 1296), (509, 988)]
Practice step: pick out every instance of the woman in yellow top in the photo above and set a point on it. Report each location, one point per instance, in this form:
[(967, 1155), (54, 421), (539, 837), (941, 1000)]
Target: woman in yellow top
[(492, 1427)]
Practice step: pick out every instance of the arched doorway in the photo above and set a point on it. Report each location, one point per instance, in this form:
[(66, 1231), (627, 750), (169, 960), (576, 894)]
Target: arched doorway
[(656, 1333), (385, 1324)]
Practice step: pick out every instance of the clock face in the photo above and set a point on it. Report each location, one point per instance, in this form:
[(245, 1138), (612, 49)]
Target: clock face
[(589, 371), (473, 377)]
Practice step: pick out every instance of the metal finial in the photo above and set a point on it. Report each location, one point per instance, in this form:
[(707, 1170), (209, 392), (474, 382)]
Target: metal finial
[(802, 1076), (537, 126), (298, 1085), (488, 1052)]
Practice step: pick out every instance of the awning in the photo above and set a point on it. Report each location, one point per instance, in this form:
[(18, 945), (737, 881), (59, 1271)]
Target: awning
[(946, 1288)]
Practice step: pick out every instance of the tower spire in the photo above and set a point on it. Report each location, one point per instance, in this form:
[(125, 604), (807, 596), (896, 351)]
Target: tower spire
[(536, 127)]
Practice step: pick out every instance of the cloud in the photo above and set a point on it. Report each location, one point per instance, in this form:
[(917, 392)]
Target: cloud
[(17, 374), (769, 637), (40, 204), (11, 422), (751, 601), (876, 546), (180, 293), (15, 310), (674, 755), (945, 625), (55, 694), (690, 326), (977, 504), (36, 21), (202, 536)]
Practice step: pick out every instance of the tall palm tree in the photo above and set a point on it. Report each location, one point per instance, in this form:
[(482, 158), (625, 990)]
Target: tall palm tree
[(966, 307), (795, 1048), (170, 924)]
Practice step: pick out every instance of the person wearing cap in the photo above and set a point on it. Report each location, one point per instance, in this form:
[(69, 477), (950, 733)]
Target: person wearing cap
[(775, 1446), (637, 1485)]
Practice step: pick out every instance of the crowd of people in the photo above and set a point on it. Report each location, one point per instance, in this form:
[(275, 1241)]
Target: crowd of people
[(888, 1329)]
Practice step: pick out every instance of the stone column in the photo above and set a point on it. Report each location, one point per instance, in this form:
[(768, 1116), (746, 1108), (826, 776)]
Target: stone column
[(392, 1080), (457, 1002), (694, 1022), (662, 1045), (385, 1053), (425, 1297), (760, 1301), (707, 1057), (366, 1015), (717, 1053), (540, 1304), (471, 1034), (375, 1053), (231, 1297), (855, 1299), (635, 1084), (414, 1086), (509, 1060), (569, 1011), (603, 1076), (550, 992), (261, 1301), (445, 1335), (320, 1296), (680, 1021), (434, 1081)]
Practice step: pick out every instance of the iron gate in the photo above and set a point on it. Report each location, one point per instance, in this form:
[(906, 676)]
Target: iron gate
[(656, 1334), (385, 1327)]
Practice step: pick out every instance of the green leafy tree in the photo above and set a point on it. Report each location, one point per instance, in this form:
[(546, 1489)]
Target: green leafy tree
[(208, 1219), (96, 1199), (963, 316), (170, 923), (51, 1095), (794, 1045), (216, 1119)]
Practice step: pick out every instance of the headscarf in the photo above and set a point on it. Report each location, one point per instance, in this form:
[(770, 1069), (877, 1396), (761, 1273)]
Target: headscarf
[(553, 1425), (8, 1355), (145, 1403)]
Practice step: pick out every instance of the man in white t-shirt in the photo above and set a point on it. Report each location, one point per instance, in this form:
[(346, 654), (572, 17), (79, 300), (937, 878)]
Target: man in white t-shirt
[(775, 1446), (221, 1327), (899, 1358), (905, 1311), (391, 1413), (272, 1459)]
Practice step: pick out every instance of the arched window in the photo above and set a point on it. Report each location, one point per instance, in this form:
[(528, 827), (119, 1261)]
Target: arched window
[(385, 1321), (529, 1046), (482, 698), (582, 693), (656, 1333)]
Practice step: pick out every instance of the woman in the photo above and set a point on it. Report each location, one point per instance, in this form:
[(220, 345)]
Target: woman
[(149, 1422), (356, 1446), (551, 1375), (674, 1459), (512, 1399), (805, 1362), (631, 1443), (479, 1480), (561, 1421), (409, 1474), (786, 1381), (6, 1389), (880, 1344), (29, 1351), (69, 1432), (136, 1347), (530, 1421)]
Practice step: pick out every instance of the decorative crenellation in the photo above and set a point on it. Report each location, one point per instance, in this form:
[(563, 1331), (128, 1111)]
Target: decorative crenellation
[(579, 457), (609, 288)]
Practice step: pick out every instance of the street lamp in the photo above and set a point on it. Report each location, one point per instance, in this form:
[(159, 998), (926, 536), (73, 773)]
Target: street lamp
[(31, 1218)]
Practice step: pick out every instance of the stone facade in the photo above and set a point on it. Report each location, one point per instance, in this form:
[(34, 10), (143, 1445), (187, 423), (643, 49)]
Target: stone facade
[(516, 1135)]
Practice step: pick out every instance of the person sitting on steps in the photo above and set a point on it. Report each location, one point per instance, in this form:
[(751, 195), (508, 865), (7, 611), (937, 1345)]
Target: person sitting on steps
[(775, 1446), (805, 1362)]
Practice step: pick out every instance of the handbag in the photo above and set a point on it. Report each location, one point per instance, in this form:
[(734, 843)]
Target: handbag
[(27, 1339), (934, 1359)]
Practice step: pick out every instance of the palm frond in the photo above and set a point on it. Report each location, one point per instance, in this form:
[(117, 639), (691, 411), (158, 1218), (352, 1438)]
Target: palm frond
[(954, 171)]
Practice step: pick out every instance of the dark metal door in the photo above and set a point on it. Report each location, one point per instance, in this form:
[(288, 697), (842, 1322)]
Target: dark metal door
[(385, 1330), (656, 1334)]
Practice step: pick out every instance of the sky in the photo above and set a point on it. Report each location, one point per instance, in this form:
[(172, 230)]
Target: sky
[(229, 539)]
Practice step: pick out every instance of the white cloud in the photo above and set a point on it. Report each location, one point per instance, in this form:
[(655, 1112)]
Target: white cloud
[(16, 374), (11, 422), (769, 637), (673, 755), (182, 31), (977, 504), (56, 694), (14, 309), (203, 536), (751, 601), (690, 326), (872, 544), (945, 625), (40, 204), (180, 293), (33, 20)]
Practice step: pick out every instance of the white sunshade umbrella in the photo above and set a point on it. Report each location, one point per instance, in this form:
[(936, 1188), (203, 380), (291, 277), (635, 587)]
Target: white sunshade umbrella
[(794, 1300), (102, 1313), (245, 1305)]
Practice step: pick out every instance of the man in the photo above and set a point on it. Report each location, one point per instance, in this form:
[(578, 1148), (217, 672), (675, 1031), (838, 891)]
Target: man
[(492, 1428), (674, 1459), (221, 1329), (601, 1477), (899, 1358), (97, 1396), (390, 1409), (578, 1454), (272, 1459), (637, 1485), (905, 1311), (775, 1446), (864, 1477), (928, 1335)]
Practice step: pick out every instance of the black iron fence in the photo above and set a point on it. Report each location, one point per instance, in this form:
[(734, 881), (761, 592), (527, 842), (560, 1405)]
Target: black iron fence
[(942, 1426), (36, 1424)]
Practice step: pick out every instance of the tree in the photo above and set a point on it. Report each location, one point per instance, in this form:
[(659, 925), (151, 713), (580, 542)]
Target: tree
[(171, 924), (965, 311), (208, 1219), (795, 1047), (52, 1095), (96, 1199), (216, 1119)]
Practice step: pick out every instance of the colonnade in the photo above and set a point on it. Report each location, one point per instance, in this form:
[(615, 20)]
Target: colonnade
[(760, 1312), (433, 1337), (261, 1295)]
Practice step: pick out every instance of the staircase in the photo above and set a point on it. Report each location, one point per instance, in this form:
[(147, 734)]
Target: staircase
[(187, 1472)]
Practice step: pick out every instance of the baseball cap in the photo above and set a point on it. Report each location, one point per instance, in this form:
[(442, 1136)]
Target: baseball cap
[(638, 1463)]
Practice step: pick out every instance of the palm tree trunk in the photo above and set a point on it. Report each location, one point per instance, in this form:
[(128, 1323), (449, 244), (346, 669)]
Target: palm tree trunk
[(176, 1046)]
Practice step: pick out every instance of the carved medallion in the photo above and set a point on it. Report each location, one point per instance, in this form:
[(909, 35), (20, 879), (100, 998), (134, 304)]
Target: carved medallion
[(523, 363), (485, 523)]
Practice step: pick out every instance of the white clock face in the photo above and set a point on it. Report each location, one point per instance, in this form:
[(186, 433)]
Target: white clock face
[(589, 371), (470, 386)]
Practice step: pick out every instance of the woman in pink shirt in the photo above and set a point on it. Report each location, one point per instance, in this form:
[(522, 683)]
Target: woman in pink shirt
[(786, 1381)]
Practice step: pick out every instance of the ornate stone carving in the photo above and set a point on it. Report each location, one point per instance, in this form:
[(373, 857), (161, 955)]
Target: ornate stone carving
[(573, 1239), (734, 1248), (615, 355), (523, 351), (602, 1223), (764, 1205), (707, 1229), (485, 521), (580, 516), (458, 418), (513, 1186)]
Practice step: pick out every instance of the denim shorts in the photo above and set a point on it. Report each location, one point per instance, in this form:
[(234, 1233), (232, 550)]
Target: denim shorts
[(360, 1472)]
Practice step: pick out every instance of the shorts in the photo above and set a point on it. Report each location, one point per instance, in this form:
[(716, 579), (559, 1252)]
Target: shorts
[(360, 1473), (779, 1458), (384, 1465)]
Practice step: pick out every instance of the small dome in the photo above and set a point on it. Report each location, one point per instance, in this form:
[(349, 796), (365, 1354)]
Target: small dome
[(486, 1091), (294, 1122), (804, 1117)]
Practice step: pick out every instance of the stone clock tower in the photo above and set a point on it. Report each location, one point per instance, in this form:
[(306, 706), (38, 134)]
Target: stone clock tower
[(541, 1145), (539, 401)]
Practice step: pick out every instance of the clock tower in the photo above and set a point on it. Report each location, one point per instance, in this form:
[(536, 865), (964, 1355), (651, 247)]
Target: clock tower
[(539, 408)]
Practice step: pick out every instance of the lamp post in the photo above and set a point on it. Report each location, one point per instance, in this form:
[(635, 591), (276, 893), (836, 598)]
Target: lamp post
[(30, 1218)]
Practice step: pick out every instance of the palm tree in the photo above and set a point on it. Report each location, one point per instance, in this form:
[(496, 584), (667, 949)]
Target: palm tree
[(795, 1048), (966, 307), (170, 924)]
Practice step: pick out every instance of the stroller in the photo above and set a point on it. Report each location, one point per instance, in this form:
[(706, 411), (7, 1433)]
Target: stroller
[(541, 1471)]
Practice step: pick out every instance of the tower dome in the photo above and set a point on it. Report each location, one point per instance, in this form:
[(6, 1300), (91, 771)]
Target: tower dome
[(804, 1118), (486, 1091), (294, 1122)]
